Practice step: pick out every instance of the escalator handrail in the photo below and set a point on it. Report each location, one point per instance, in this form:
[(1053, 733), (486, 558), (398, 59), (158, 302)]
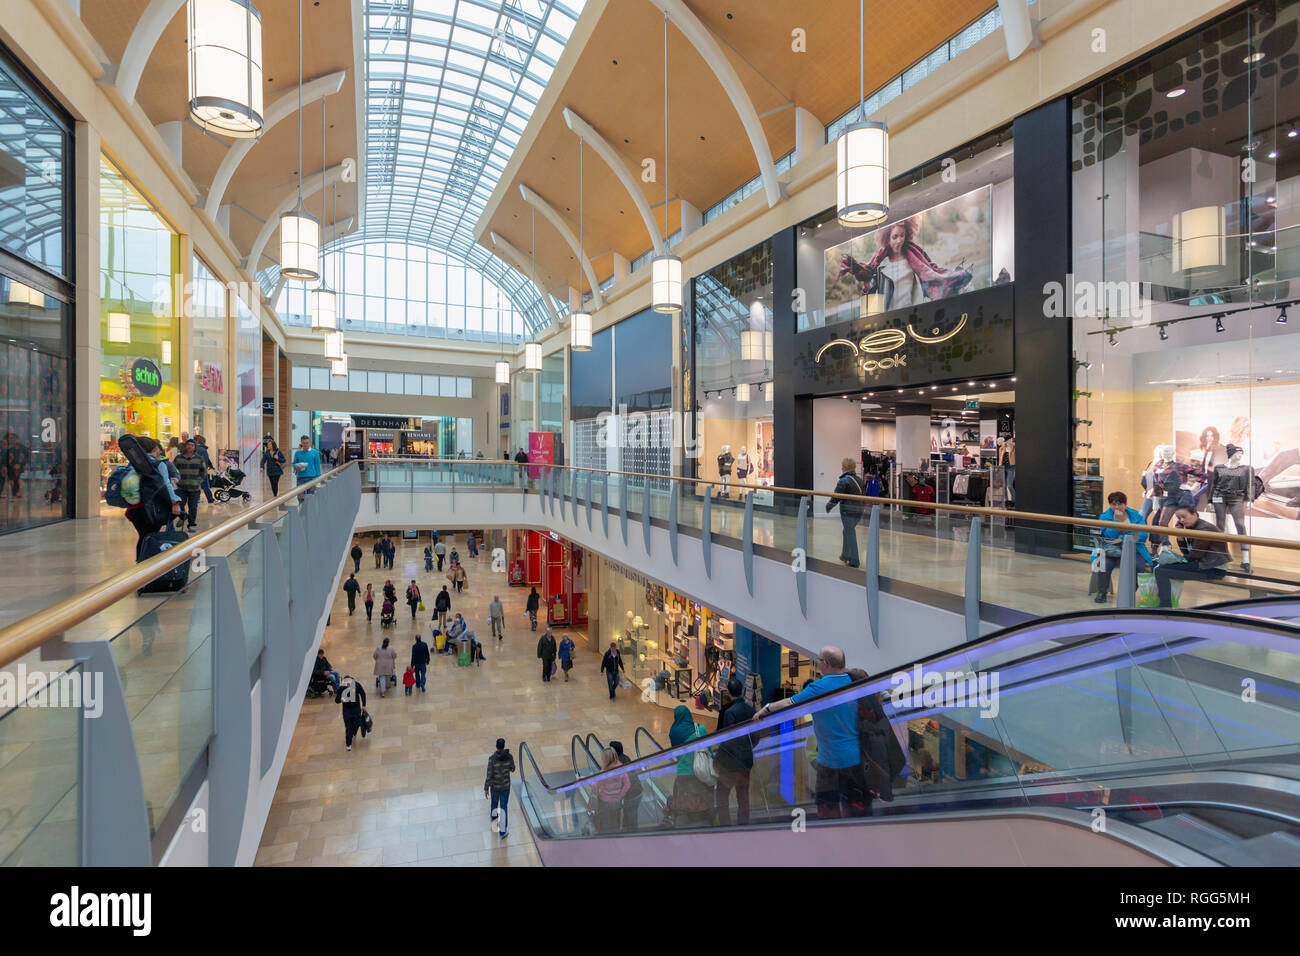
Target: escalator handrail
[(574, 743), (636, 741), (860, 688)]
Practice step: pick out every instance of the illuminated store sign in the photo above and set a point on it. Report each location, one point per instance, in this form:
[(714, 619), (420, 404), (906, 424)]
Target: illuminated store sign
[(143, 377), (210, 379)]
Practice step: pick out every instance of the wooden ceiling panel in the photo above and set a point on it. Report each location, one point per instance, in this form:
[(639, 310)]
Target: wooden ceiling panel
[(269, 171), (616, 85)]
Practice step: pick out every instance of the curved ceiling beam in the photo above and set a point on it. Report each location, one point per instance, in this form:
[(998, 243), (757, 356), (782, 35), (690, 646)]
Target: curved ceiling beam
[(310, 186), (281, 109), (562, 227), (620, 168), (516, 258), (148, 31), (709, 50)]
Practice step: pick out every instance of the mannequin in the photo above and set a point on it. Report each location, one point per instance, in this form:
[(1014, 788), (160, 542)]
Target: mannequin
[(1007, 459), (725, 461), (1167, 476), (743, 467), (1230, 486)]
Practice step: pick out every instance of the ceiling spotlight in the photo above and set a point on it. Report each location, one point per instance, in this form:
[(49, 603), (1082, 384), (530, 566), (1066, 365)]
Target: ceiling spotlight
[(1080, 364), (1253, 57), (1218, 323), (1281, 316), (1272, 154), (1174, 94), (1292, 133), (1164, 335), (1110, 338)]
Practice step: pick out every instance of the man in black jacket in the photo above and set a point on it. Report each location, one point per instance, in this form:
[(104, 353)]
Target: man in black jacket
[(546, 650), (441, 608), (610, 665), (521, 458), (420, 661), (735, 757), (533, 605), (850, 511), (496, 784), (353, 698), (351, 587), (356, 557)]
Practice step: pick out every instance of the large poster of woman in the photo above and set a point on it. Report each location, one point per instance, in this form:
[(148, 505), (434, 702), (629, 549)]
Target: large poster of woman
[(940, 252)]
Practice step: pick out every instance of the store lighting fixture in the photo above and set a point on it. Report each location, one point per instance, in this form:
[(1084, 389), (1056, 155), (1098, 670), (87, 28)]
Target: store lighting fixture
[(334, 346), (666, 269), (1164, 334), (742, 392), (20, 294), (119, 328), (1198, 239), (1174, 94), (503, 371), (1281, 316), (225, 60), (1218, 324), (580, 321), (324, 302), (533, 356), (1272, 154), (167, 352), (862, 156), (751, 346), (1292, 133), (299, 231), (871, 304), (339, 368), (1253, 57), (769, 390)]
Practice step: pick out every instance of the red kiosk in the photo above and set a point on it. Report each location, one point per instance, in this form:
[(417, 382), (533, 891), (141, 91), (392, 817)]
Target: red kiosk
[(555, 567)]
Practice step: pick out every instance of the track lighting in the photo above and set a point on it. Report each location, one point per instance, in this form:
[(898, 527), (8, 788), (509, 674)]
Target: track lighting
[(1110, 337), (1281, 316), (1083, 421), (1079, 364), (1164, 335), (1218, 323)]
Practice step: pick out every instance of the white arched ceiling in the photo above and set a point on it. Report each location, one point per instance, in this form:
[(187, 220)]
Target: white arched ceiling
[(566, 233)]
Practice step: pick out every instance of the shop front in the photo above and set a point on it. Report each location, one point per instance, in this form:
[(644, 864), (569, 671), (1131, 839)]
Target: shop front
[(557, 568), (206, 310), (140, 388)]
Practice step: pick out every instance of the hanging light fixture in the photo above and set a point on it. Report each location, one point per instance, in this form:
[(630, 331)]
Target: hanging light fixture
[(751, 346), (119, 328), (768, 391), (334, 346), (225, 54), (339, 367), (324, 302), (862, 157), (871, 304), (533, 350), (502, 366), (299, 231), (742, 392), (580, 321), (1198, 239), (20, 294), (666, 269)]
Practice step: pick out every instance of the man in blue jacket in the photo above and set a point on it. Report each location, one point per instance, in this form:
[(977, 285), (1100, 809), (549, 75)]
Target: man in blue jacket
[(306, 461), (1112, 542)]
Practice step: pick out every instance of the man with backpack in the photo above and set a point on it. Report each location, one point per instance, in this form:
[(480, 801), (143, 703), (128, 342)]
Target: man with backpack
[(735, 757), (351, 587), (190, 466), (155, 500), (850, 511)]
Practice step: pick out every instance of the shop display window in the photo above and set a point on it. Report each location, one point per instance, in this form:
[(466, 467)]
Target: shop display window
[(1186, 185), (206, 309)]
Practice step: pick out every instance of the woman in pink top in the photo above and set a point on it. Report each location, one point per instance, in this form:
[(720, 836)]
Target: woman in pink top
[(609, 793)]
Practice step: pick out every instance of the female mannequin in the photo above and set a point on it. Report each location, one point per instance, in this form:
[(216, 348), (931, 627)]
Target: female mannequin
[(1167, 475), (725, 461), (742, 465), (1229, 489)]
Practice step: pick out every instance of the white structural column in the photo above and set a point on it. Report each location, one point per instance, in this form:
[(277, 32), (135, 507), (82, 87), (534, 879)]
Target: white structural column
[(566, 233), (148, 30), (310, 186), (283, 108), (705, 44), (809, 134), (587, 133), (520, 262)]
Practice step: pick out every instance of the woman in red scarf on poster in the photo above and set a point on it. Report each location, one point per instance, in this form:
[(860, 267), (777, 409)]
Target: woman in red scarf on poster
[(902, 271)]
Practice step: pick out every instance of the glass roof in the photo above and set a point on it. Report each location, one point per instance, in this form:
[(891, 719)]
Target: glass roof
[(450, 86)]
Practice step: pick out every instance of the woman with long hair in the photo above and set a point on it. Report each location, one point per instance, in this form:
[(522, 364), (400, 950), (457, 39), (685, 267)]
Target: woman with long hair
[(273, 465), (902, 271)]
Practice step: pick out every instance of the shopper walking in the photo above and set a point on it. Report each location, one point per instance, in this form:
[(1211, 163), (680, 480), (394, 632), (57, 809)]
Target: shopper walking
[(273, 465), (420, 661), (610, 793), (441, 608), (428, 557), (631, 799), (567, 648), (439, 552), (413, 599), (534, 603), (521, 459), (306, 461), (459, 578), (190, 466), (355, 554), (378, 550), (385, 666), (735, 757), (546, 650), (158, 499), (370, 601), (850, 510), (351, 587), (390, 552), (201, 448), (610, 665), (840, 786), (496, 784), (497, 617), (353, 698)]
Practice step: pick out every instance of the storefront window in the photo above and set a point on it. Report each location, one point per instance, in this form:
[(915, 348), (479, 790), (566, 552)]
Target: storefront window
[(1186, 183), (591, 396), (207, 314), (523, 388), (139, 329), (551, 399), (248, 372), (733, 370)]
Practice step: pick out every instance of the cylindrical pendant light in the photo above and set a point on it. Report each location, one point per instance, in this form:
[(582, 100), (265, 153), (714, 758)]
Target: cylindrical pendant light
[(1198, 239), (862, 158), (580, 321), (20, 294), (299, 232), (742, 392), (751, 346), (225, 59), (533, 356), (119, 328), (871, 304), (167, 352), (768, 391), (666, 270), (334, 346), (503, 372), (339, 367), (324, 302)]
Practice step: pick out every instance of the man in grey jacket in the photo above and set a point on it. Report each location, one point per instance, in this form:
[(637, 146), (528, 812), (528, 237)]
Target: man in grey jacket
[(497, 615), (496, 785)]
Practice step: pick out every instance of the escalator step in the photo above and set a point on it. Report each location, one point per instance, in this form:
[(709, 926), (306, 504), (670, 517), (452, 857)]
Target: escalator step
[(1192, 831), (1271, 849)]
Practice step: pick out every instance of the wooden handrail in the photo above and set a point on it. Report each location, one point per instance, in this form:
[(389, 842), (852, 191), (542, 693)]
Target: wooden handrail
[(1170, 532), (31, 632)]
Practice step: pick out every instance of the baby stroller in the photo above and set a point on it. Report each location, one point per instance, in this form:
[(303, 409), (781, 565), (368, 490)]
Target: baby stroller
[(387, 615), (226, 485)]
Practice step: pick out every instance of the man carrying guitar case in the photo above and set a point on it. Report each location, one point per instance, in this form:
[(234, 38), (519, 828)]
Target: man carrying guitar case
[(158, 504)]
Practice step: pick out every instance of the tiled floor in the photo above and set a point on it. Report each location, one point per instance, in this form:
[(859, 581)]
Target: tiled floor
[(412, 792)]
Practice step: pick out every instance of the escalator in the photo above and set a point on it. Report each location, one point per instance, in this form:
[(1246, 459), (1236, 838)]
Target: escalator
[(1103, 737)]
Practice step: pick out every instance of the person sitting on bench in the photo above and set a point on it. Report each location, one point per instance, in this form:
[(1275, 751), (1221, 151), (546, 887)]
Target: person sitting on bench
[(1204, 559)]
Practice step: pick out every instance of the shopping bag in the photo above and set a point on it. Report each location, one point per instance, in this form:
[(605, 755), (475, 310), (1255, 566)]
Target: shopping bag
[(1147, 596), (462, 656), (421, 605)]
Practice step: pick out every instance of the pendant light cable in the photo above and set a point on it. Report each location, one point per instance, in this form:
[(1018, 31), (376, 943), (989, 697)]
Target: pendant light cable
[(665, 129), (300, 103), (580, 246), (862, 83)]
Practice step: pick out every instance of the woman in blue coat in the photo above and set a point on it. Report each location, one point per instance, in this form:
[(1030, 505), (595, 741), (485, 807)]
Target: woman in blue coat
[(1112, 541)]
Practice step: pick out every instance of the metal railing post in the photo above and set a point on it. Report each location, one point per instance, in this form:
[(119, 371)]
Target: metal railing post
[(973, 578), (672, 519), (706, 532), (645, 512), (1128, 580), (873, 574), (231, 749), (747, 541), (588, 501), (801, 545), (277, 626), (604, 504)]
